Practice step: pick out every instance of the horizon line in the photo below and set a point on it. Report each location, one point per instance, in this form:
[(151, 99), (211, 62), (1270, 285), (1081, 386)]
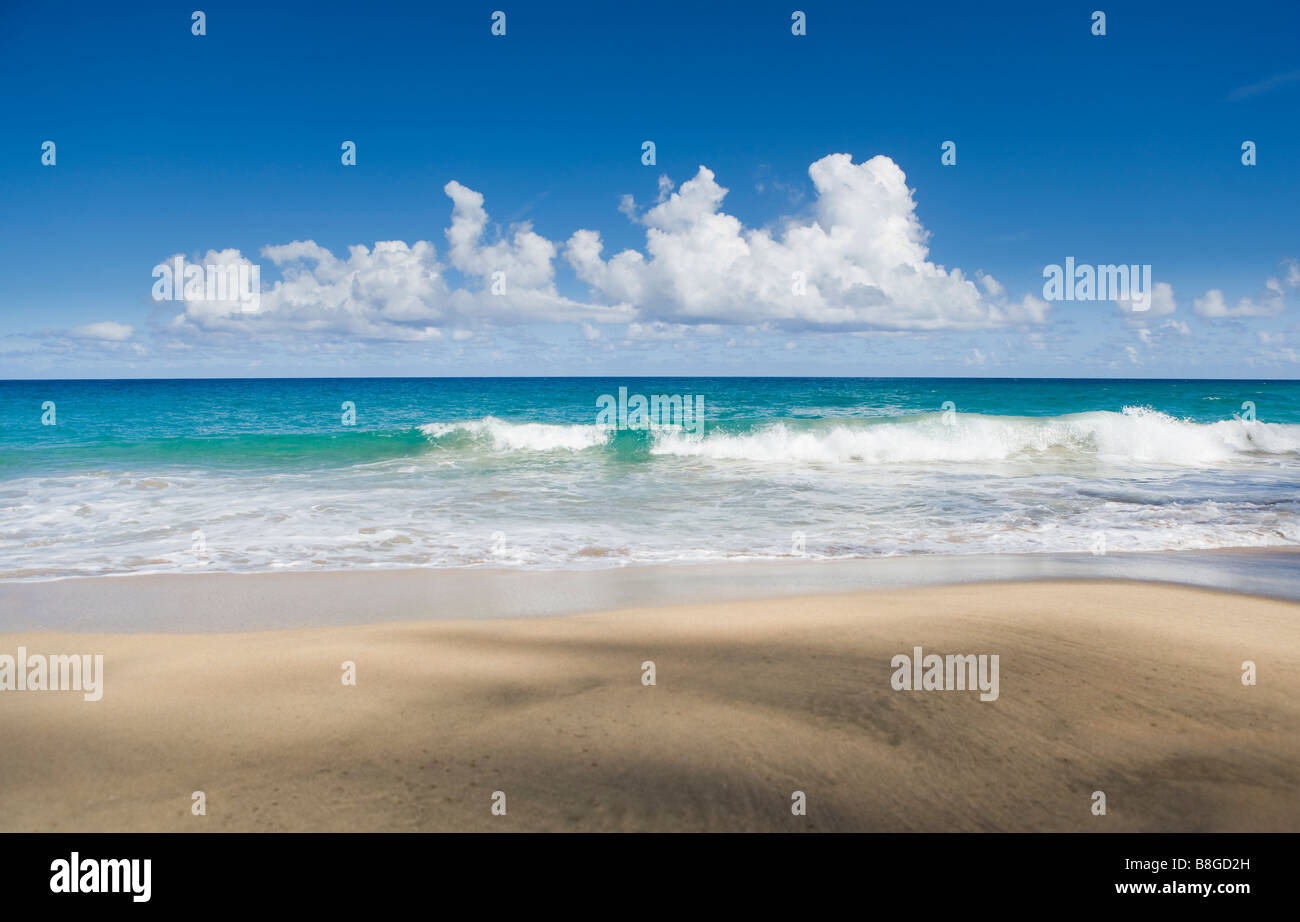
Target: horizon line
[(648, 376)]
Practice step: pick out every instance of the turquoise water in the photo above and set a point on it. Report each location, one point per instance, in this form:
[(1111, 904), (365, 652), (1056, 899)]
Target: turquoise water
[(252, 475)]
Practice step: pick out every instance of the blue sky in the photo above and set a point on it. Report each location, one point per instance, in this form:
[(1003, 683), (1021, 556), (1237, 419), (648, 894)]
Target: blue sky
[(1122, 148)]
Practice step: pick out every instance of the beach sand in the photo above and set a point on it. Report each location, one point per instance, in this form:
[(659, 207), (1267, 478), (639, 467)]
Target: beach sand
[(1133, 689)]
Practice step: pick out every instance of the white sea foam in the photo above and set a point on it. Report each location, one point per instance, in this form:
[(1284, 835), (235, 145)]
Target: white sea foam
[(507, 436), (1138, 435)]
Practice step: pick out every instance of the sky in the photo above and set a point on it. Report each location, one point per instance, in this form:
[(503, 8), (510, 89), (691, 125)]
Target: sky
[(501, 217)]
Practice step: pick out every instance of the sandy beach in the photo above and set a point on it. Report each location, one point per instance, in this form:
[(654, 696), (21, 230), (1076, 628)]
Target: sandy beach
[(1132, 689)]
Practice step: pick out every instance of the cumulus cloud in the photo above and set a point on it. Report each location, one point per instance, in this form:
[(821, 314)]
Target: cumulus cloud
[(862, 262), (991, 285), (1268, 303), (396, 291), (858, 261), (1162, 304), (1214, 307)]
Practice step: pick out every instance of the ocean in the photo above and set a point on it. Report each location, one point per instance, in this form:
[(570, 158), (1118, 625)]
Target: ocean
[(252, 475)]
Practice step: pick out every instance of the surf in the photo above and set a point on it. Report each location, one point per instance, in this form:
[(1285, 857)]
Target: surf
[(1137, 435)]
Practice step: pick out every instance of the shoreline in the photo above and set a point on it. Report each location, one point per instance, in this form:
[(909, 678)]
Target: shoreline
[(1129, 688), (223, 602)]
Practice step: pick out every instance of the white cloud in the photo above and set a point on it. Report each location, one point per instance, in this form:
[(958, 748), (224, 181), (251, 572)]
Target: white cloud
[(1162, 303), (659, 330), (396, 291), (1214, 307), (861, 263), (1269, 303), (104, 330), (665, 187), (991, 285)]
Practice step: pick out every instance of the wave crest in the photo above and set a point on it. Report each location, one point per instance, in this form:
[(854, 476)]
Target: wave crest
[(1138, 434), (501, 435)]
